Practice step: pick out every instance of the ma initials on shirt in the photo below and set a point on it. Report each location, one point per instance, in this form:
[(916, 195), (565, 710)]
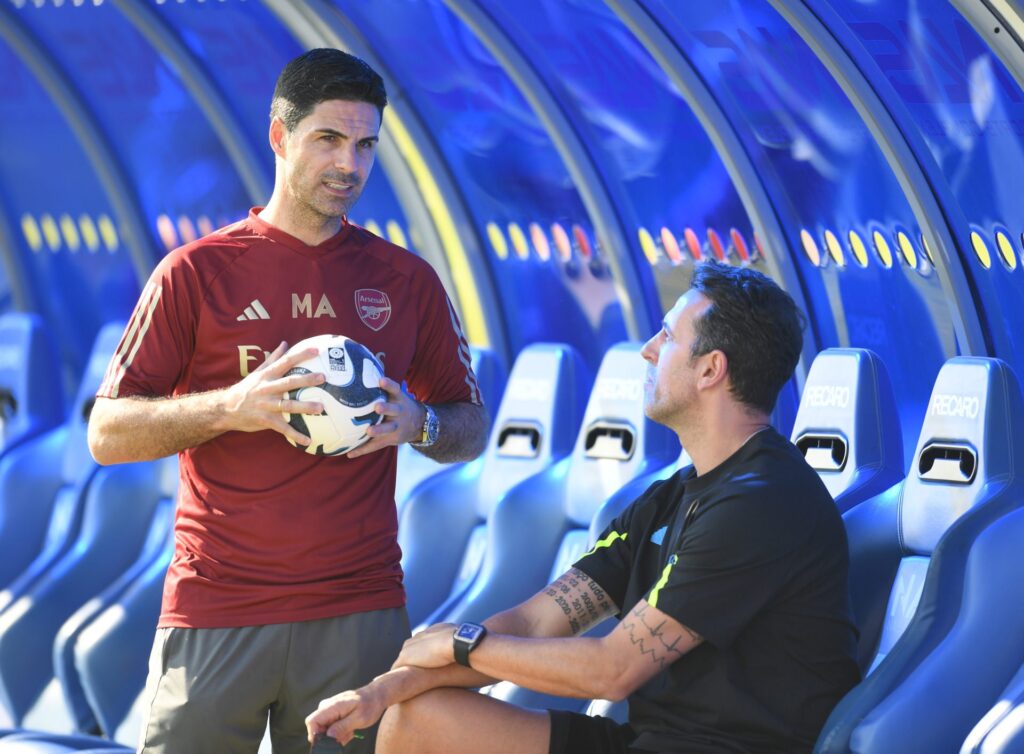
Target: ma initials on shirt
[(304, 305)]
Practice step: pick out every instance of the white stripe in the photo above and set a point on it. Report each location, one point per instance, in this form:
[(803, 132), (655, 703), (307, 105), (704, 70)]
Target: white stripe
[(264, 314), (249, 313), (115, 359), (126, 340), (464, 356), (138, 341)]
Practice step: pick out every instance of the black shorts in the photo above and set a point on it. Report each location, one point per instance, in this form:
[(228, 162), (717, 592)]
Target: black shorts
[(573, 733)]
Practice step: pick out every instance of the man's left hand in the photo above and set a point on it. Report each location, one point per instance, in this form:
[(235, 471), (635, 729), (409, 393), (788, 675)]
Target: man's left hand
[(403, 420), (430, 648)]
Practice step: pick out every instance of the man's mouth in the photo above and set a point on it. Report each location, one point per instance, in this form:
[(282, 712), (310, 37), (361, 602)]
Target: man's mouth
[(337, 187)]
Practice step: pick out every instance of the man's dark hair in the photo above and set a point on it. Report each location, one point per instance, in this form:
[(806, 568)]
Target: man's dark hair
[(755, 324), (320, 75)]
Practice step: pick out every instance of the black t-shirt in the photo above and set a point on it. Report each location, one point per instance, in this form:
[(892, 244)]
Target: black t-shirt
[(753, 557)]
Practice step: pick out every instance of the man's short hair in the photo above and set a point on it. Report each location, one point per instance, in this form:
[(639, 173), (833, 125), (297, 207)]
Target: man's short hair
[(755, 324), (324, 74)]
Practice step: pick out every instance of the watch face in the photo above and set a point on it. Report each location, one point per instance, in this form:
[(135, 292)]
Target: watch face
[(468, 632)]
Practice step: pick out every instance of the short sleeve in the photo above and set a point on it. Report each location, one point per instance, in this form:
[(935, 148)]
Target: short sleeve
[(441, 370), (730, 563), (157, 343), (607, 562), (610, 560)]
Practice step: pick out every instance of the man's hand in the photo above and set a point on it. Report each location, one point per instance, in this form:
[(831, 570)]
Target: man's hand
[(403, 420), (431, 648), (343, 715), (258, 401)]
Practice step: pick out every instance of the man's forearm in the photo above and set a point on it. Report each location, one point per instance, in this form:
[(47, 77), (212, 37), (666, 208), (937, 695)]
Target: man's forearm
[(142, 429), (574, 667), (463, 434)]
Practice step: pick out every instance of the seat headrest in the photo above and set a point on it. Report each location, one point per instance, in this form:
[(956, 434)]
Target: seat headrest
[(537, 420), (969, 448), (847, 421), (76, 453), (30, 377), (616, 442)]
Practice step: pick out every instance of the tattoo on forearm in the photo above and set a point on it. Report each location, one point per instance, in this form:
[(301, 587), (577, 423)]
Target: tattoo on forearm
[(655, 640), (581, 598)]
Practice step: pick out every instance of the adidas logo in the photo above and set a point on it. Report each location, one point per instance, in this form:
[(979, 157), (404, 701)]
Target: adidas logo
[(254, 310)]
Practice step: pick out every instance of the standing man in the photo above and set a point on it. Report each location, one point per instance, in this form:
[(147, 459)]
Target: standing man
[(730, 581), (285, 584)]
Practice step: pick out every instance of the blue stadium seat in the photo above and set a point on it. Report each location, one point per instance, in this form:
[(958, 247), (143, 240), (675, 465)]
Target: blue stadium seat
[(31, 397), (413, 466), (86, 539), (119, 506), (967, 473), (1001, 730), (543, 520), (100, 668), (848, 427), (106, 669), (443, 529), (43, 482)]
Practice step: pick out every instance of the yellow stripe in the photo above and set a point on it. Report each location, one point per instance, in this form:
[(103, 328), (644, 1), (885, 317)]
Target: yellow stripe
[(606, 542), (458, 260), (653, 599)]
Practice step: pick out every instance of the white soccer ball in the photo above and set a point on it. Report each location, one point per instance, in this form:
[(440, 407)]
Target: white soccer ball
[(348, 395)]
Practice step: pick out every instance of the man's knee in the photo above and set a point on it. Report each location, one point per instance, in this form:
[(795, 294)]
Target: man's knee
[(409, 722)]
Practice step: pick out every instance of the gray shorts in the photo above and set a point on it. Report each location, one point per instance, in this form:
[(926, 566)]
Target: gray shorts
[(212, 690)]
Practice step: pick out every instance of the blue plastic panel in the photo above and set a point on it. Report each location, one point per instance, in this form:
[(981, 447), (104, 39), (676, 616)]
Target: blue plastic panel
[(644, 135), (62, 222), (509, 172), (828, 176), (971, 113), (171, 155)]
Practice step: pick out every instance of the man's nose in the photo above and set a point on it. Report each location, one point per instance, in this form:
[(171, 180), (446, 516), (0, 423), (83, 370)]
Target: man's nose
[(650, 351), (345, 158)]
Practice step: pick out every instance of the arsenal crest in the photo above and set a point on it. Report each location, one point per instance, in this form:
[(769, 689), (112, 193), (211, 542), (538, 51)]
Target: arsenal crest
[(373, 307)]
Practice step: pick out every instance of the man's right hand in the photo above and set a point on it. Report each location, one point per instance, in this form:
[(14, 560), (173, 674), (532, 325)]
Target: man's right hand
[(257, 402), (343, 715)]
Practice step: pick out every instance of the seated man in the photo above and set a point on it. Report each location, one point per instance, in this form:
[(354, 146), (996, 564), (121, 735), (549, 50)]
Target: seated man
[(731, 581)]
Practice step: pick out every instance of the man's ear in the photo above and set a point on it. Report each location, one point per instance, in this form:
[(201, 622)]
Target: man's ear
[(278, 136), (714, 368)]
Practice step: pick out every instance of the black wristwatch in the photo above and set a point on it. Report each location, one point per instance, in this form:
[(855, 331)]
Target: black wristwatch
[(466, 638)]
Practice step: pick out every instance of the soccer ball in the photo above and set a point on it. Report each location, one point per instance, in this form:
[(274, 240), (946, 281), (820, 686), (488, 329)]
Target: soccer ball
[(348, 395)]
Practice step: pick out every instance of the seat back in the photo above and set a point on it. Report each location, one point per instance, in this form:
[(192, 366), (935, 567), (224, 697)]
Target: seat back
[(443, 527), (616, 445), (848, 427), (967, 453), (77, 457), (413, 466), (526, 529), (44, 482), (968, 471), (31, 398), (79, 662)]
